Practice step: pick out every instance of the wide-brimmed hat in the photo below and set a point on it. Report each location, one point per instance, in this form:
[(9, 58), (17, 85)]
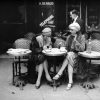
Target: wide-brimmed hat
[(74, 26), (46, 31)]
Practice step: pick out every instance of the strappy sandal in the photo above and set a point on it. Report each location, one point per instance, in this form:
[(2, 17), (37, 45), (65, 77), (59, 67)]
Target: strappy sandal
[(57, 76), (69, 86)]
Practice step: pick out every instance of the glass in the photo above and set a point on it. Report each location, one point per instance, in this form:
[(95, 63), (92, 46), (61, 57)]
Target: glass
[(89, 46)]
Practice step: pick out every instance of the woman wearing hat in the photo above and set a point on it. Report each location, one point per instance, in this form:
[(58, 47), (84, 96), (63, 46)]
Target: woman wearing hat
[(39, 43), (75, 42)]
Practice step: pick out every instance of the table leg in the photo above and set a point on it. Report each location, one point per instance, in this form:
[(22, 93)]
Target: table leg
[(88, 70), (13, 73), (19, 66), (55, 83)]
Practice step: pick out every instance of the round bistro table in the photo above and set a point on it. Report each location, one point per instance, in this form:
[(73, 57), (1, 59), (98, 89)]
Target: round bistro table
[(54, 52), (90, 57)]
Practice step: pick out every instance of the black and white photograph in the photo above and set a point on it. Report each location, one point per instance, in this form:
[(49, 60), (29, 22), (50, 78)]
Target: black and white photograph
[(49, 50)]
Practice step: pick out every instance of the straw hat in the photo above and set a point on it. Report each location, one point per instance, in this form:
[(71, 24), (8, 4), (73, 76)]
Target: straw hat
[(74, 26)]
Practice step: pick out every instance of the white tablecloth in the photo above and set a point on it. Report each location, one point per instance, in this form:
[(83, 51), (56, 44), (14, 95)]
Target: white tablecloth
[(54, 52), (18, 52), (93, 54)]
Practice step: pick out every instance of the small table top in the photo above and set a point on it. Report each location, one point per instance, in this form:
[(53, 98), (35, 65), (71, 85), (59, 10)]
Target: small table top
[(54, 52), (93, 54), (18, 52)]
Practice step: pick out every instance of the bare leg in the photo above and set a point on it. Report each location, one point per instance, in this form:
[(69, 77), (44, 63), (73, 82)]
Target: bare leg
[(71, 58), (46, 71), (70, 73), (70, 77), (40, 71), (64, 65), (68, 59)]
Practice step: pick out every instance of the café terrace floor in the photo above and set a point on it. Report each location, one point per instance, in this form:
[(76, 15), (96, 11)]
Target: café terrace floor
[(45, 92)]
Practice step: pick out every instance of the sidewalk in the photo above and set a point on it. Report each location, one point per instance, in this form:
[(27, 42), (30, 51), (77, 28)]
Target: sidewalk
[(45, 92)]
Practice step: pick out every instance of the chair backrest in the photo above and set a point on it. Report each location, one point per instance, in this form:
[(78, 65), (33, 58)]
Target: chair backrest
[(29, 35), (95, 45), (22, 43)]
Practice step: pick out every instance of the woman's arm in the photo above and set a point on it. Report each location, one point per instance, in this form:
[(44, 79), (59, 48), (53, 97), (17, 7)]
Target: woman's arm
[(80, 44)]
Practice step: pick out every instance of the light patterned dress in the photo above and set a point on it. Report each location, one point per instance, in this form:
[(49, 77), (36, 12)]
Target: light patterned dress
[(74, 47)]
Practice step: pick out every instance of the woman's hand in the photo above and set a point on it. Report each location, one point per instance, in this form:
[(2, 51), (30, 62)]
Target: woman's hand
[(75, 37), (44, 47), (75, 40)]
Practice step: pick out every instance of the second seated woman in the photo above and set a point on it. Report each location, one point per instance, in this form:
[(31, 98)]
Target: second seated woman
[(75, 42)]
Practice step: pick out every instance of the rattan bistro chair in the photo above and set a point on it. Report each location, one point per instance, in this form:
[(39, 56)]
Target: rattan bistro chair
[(24, 44), (95, 46)]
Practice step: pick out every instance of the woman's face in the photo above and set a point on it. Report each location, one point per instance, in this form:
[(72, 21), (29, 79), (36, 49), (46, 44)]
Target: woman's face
[(46, 35), (47, 39), (73, 32)]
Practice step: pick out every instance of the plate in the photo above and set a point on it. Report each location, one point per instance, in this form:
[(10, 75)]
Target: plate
[(47, 50)]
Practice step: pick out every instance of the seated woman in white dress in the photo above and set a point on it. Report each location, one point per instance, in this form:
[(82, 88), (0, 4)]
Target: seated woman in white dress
[(75, 42)]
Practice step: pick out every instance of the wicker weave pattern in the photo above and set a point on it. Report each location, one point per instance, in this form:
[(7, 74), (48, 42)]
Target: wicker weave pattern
[(22, 43), (95, 45)]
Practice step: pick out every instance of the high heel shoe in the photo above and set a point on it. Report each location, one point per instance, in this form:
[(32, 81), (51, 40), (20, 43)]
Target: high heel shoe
[(37, 86), (69, 86), (57, 76)]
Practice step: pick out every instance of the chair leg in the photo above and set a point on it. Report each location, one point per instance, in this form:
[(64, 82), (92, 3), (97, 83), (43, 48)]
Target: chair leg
[(19, 67), (19, 70), (16, 73), (13, 73)]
